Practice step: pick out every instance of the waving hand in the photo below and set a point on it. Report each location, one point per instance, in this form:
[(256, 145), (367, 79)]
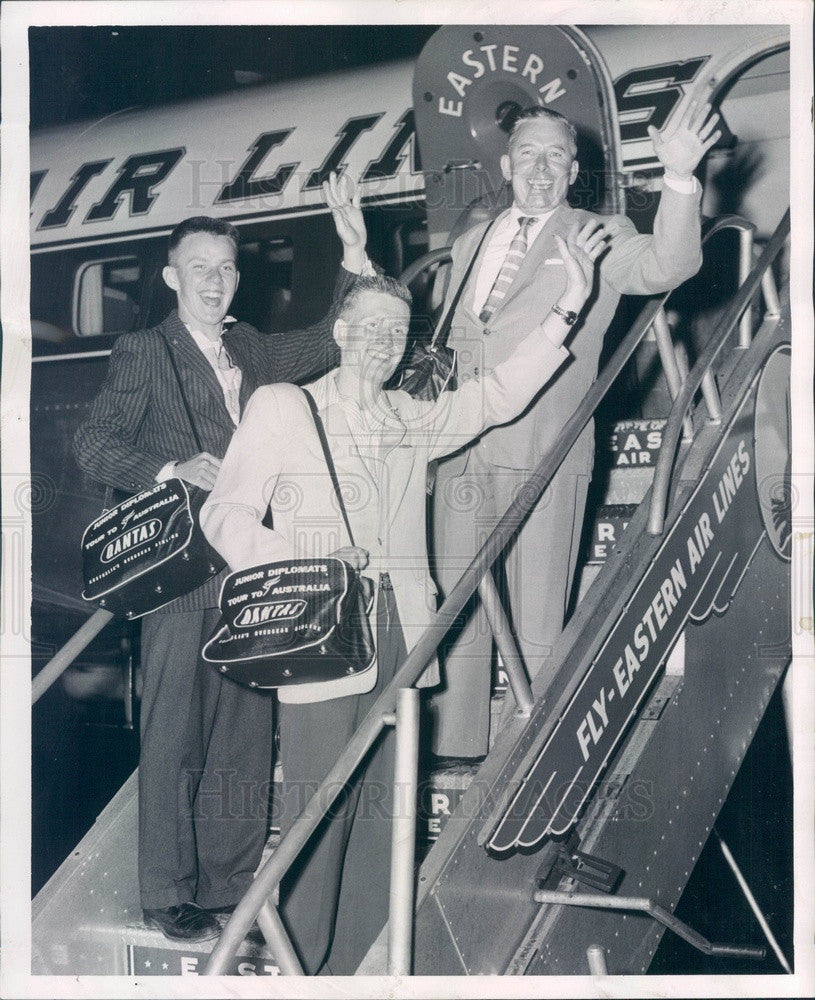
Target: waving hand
[(687, 136)]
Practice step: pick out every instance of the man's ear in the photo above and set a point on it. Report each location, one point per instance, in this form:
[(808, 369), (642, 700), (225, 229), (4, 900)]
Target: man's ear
[(506, 169), (340, 332), (170, 277), (573, 172)]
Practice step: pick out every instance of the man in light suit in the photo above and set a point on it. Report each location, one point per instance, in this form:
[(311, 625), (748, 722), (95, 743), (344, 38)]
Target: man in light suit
[(517, 275), (381, 443), (206, 745)]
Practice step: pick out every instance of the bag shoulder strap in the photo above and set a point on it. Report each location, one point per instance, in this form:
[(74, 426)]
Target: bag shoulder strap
[(187, 409), (329, 461), (442, 329)]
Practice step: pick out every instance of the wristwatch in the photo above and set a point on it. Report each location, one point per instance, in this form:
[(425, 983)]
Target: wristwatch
[(567, 315)]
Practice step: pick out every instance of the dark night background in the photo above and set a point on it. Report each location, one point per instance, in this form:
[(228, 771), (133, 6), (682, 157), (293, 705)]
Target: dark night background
[(91, 71), (81, 72)]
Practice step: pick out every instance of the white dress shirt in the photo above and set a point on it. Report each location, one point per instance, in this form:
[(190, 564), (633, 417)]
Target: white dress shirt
[(229, 375)]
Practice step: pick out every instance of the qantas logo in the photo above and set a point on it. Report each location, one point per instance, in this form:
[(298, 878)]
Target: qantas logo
[(258, 614), (134, 538)]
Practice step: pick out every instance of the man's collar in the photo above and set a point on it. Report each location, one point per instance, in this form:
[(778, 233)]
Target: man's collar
[(384, 412), (202, 339), (515, 213)]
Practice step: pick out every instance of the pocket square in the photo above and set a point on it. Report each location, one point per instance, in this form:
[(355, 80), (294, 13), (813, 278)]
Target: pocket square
[(553, 260)]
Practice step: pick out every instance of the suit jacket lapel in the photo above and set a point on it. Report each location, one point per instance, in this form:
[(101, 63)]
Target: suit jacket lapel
[(200, 383), (467, 296), (242, 357), (337, 430), (543, 248)]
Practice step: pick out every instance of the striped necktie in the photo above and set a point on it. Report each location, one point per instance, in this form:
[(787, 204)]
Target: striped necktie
[(512, 261)]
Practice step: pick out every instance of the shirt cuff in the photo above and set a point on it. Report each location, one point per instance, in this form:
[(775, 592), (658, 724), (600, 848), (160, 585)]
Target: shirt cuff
[(681, 185), (166, 472), (366, 268), (562, 351)]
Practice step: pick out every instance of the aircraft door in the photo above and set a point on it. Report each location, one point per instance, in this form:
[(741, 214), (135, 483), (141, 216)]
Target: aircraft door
[(469, 85)]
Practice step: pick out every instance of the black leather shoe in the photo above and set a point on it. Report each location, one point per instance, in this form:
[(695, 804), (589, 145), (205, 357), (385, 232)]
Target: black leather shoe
[(187, 922)]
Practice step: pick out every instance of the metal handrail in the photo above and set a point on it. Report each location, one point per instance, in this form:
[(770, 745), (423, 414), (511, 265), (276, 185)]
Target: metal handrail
[(728, 322), (268, 877), (643, 904), (61, 660), (422, 263)]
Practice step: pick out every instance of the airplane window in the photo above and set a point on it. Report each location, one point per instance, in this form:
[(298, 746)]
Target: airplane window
[(106, 296), (265, 289)]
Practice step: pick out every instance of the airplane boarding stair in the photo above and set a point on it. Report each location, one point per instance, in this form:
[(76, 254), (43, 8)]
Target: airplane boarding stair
[(592, 810), (649, 812), (582, 827)]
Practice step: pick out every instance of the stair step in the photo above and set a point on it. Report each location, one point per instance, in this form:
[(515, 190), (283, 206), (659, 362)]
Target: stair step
[(149, 953)]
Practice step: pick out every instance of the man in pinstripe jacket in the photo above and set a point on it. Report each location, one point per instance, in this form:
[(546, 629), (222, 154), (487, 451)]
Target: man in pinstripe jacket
[(206, 744)]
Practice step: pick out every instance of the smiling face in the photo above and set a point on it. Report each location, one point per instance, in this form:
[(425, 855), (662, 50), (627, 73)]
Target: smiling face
[(372, 335), (204, 275), (540, 164)]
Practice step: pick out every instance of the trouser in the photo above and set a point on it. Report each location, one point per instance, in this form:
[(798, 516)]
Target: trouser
[(334, 900), (538, 568), (205, 769)]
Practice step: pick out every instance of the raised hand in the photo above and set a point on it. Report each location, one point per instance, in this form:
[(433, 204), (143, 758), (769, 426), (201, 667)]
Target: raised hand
[(687, 136), (579, 251), (343, 201)]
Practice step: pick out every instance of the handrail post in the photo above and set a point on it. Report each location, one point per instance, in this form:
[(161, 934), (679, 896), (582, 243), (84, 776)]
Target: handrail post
[(403, 833), (662, 333), (745, 266), (507, 647), (772, 305), (596, 958), (129, 686), (710, 393), (278, 940), (667, 355), (681, 353)]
